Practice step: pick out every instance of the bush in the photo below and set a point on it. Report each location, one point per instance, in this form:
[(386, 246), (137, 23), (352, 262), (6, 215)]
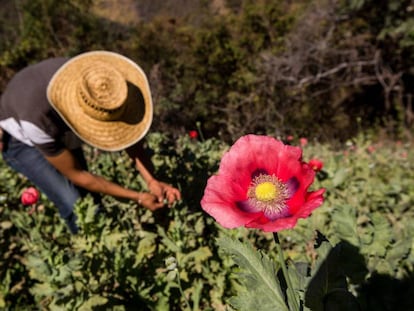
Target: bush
[(309, 68)]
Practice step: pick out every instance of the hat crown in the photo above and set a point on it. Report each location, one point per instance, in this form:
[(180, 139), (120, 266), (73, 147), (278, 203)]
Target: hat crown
[(103, 91)]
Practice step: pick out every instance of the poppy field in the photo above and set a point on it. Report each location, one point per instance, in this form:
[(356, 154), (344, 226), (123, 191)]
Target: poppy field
[(353, 252)]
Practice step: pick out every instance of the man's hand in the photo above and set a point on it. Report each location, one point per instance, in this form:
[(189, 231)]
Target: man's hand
[(165, 193), (149, 201)]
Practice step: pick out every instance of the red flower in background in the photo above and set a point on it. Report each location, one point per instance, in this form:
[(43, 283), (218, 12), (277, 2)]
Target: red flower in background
[(29, 196), (404, 154), (193, 134), (303, 141), (316, 164), (261, 183), (290, 138)]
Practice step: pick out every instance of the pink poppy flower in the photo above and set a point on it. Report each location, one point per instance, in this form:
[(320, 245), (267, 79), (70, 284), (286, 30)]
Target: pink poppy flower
[(193, 134), (261, 183), (29, 196), (316, 164)]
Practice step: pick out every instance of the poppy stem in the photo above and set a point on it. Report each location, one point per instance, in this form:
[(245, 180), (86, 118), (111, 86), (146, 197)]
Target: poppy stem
[(200, 132), (290, 290), (180, 288)]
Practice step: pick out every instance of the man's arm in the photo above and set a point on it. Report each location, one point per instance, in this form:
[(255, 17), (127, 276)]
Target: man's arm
[(144, 165), (67, 164)]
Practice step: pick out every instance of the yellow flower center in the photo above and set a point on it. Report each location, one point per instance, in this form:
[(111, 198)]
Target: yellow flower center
[(266, 191)]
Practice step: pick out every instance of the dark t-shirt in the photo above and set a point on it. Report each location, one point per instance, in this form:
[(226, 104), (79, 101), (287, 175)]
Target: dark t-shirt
[(25, 112)]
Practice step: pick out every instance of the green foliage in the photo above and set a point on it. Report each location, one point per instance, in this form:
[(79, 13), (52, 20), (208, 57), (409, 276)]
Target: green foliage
[(170, 260), (118, 260), (389, 19), (320, 286), (370, 202), (43, 31)]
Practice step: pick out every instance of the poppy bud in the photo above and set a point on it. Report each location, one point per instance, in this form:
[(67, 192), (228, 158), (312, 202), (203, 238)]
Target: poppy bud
[(303, 141), (29, 196), (193, 134), (316, 164)]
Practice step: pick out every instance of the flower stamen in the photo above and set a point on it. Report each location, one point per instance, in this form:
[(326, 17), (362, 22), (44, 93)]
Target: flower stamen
[(268, 194)]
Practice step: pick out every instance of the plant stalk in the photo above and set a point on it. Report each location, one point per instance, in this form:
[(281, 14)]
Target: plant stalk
[(181, 291), (290, 289)]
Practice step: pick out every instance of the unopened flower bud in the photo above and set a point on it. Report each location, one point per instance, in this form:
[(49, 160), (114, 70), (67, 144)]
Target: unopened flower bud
[(29, 196)]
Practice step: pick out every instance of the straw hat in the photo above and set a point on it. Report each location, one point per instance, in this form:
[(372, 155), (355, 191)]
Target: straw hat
[(104, 98)]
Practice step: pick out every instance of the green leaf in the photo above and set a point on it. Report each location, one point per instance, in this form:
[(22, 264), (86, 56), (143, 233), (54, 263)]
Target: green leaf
[(382, 236), (297, 274), (42, 290), (113, 239), (382, 266), (199, 255), (6, 224), (398, 251), (344, 221), (146, 247), (340, 177), (39, 269), (263, 288), (199, 225), (170, 244), (171, 275), (64, 274), (2, 301), (93, 301)]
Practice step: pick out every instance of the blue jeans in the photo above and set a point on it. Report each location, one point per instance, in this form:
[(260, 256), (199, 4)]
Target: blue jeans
[(31, 163)]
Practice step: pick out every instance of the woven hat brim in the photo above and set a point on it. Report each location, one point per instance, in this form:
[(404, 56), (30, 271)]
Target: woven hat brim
[(116, 135)]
